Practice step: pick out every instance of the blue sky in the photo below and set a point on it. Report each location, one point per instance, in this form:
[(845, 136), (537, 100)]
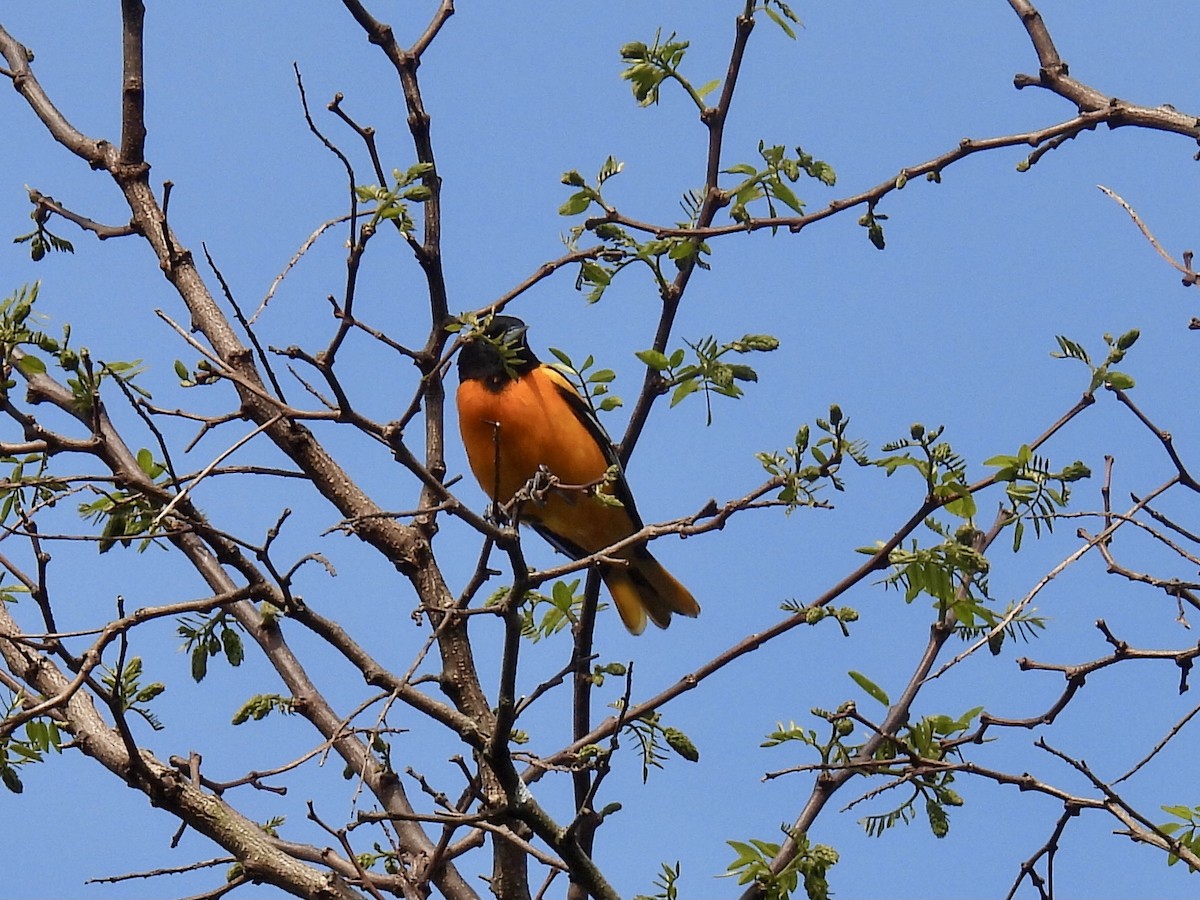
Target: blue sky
[(952, 324)]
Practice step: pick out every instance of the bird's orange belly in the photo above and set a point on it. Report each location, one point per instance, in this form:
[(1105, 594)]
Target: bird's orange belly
[(513, 432)]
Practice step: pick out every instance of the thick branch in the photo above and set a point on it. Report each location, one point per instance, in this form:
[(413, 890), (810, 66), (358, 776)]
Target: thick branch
[(133, 84), (1053, 76), (166, 787)]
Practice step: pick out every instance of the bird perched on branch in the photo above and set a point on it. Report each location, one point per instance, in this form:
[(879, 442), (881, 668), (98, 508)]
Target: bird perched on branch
[(520, 417)]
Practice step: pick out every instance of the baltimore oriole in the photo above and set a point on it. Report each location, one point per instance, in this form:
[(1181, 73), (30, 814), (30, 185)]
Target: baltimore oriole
[(518, 415)]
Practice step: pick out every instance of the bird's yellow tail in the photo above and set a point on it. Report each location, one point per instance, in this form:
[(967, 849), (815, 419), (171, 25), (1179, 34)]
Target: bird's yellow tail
[(644, 587)]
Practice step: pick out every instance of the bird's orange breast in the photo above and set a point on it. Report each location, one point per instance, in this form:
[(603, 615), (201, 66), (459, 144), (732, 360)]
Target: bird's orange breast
[(523, 424)]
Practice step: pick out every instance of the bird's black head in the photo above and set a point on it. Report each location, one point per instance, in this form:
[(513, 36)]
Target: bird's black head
[(497, 351)]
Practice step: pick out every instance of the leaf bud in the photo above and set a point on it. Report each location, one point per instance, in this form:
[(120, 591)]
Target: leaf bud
[(965, 534), (1128, 339), (681, 744)]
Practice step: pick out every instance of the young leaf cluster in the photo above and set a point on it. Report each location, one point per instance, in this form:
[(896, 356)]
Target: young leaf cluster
[(128, 692), (791, 732), (833, 752), (204, 373), (1035, 491), (41, 737), (772, 182), (543, 615), (381, 750), (652, 735), (781, 14), (923, 742), (593, 386), (88, 375), (843, 615), (943, 470), (709, 373), (22, 490), (652, 64), (621, 248), (946, 572), (42, 240), (914, 747), (8, 592), (871, 220), (1186, 831), (975, 620), (392, 203), (212, 635), (18, 339), (602, 670), (667, 882), (260, 706), (801, 480), (127, 514), (389, 858), (1104, 373), (810, 864), (937, 796), (586, 195)]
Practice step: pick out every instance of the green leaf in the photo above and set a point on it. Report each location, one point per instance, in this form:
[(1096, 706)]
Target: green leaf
[(145, 461), (1070, 350), (1118, 381), (232, 643), (784, 193), (741, 169), (199, 663), (31, 365), (149, 692), (963, 507), (1002, 461), (652, 358), (681, 744), (612, 166), (779, 20), (873, 690), (683, 389), (576, 203), (1128, 339), (761, 343), (594, 273), (1179, 812), (11, 780), (938, 822)]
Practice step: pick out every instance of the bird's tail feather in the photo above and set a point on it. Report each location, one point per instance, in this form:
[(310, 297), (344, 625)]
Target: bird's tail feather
[(644, 588)]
